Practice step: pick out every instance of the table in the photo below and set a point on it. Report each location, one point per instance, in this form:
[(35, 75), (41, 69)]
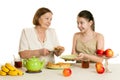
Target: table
[(78, 73)]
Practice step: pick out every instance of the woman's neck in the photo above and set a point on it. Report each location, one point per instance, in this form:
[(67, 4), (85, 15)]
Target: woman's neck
[(40, 29), (88, 33)]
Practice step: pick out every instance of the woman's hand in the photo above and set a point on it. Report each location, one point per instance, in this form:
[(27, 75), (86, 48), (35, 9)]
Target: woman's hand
[(58, 50), (44, 52), (80, 56)]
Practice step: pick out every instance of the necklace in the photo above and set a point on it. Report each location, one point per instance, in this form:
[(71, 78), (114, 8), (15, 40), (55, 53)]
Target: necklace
[(41, 35)]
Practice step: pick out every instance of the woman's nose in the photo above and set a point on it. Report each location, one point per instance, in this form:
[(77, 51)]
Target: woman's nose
[(79, 25)]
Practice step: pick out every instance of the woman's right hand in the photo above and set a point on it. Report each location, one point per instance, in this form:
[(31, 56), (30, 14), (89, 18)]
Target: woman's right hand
[(44, 52)]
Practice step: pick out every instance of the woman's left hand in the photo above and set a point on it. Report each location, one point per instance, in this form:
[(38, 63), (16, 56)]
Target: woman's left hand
[(80, 56), (58, 50)]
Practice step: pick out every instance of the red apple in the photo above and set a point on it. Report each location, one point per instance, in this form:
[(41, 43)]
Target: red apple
[(100, 70), (98, 64), (67, 72), (99, 67), (108, 53), (100, 52)]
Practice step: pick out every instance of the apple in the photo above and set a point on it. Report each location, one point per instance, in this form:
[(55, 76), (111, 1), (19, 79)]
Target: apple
[(100, 52), (100, 70), (109, 53), (67, 72), (98, 64)]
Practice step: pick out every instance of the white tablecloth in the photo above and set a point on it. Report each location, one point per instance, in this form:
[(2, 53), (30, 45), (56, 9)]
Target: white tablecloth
[(78, 73)]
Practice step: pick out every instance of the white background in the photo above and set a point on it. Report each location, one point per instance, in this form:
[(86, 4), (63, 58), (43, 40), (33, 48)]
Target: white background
[(18, 14)]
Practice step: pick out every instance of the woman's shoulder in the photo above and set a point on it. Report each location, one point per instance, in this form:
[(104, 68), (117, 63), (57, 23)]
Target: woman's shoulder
[(77, 33), (98, 35), (28, 29)]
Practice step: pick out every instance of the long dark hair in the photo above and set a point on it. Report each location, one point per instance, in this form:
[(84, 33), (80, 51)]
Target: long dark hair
[(88, 15)]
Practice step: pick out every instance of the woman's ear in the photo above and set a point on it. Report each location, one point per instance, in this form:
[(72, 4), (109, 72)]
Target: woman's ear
[(90, 22)]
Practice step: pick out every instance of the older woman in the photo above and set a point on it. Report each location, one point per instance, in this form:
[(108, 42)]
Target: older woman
[(40, 40)]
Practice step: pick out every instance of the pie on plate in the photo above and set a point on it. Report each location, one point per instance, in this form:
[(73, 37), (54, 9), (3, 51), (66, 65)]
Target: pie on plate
[(59, 65)]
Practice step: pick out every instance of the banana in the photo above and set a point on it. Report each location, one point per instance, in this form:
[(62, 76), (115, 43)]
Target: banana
[(19, 72), (2, 73), (10, 67), (3, 68), (13, 73)]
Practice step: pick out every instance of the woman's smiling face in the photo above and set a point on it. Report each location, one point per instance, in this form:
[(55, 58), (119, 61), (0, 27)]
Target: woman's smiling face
[(83, 24)]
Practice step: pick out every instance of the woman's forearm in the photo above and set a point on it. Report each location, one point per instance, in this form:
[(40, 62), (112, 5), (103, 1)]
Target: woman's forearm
[(29, 53), (93, 58)]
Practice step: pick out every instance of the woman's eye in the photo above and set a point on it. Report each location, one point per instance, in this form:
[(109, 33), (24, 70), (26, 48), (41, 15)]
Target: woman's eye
[(81, 22), (47, 18)]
